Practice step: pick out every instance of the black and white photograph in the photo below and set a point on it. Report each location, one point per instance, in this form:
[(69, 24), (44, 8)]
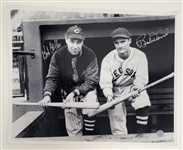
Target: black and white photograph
[(93, 76)]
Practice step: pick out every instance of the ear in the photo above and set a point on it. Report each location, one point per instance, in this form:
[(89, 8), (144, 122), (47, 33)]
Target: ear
[(82, 42), (66, 40), (130, 40)]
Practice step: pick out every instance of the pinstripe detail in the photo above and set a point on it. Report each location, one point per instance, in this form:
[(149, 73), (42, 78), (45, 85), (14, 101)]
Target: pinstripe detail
[(90, 121), (74, 122), (90, 125), (89, 129), (141, 122), (142, 117), (70, 116)]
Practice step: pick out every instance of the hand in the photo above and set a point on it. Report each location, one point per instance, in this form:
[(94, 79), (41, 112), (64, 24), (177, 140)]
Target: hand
[(135, 90), (109, 99), (69, 98), (135, 93), (45, 101)]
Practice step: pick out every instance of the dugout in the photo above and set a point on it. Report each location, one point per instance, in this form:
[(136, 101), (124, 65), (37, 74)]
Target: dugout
[(154, 35)]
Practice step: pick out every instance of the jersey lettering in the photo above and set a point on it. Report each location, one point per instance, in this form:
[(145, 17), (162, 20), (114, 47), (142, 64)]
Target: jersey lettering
[(118, 73), (120, 70), (130, 72)]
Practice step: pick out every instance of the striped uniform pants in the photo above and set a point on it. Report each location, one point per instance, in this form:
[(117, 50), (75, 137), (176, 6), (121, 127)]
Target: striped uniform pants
[(74, 117)]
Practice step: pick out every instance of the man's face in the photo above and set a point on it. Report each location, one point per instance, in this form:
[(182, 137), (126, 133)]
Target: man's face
[(74, 45), (122, 46)]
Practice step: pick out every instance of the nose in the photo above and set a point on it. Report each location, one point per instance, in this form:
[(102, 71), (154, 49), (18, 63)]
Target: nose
[(75, 45), (120, 45)]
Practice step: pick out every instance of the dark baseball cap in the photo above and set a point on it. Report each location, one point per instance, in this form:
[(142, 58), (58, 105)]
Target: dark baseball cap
[(75, 32), (120, 33)]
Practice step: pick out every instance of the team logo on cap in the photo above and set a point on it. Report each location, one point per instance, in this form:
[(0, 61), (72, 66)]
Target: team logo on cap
[(76, 30)]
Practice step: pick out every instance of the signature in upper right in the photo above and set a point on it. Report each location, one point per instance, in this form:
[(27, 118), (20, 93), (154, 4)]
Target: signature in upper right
[(152, 37)]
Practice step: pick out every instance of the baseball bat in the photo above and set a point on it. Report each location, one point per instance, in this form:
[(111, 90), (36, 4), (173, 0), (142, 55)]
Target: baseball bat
[(88, 105), (117, 101)]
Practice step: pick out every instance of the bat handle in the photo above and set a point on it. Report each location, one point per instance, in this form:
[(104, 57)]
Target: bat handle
[(158, 81)]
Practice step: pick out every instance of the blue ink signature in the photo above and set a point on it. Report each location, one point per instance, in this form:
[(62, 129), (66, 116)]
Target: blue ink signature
[(153, 37)]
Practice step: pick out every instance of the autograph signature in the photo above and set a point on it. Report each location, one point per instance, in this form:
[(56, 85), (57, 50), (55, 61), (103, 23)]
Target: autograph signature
[(153, 37), (49, 50)]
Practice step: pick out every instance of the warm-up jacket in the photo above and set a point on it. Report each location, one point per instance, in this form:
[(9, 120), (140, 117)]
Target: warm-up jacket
[(60, 71)]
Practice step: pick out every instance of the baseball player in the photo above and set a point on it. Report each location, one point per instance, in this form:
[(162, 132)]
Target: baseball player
[(124, 70), (74, 67)]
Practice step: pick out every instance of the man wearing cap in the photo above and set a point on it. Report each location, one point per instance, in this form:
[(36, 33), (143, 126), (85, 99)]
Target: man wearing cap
[(74, 67), (125, 70)]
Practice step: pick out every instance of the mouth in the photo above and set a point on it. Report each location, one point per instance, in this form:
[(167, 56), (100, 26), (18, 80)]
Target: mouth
[(75, 52), (121, 50)]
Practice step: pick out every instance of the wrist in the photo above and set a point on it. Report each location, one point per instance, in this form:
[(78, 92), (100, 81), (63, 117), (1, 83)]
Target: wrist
[(75, 93), (47, 94)]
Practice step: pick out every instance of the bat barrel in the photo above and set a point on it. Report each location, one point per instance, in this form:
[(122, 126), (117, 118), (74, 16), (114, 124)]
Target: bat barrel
[(87, 105), (25, 103)]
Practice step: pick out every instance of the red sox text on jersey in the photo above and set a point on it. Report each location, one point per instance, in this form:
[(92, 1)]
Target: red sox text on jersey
[(119, 72)]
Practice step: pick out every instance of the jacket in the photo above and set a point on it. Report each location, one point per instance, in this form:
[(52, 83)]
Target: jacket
[(60, 71)]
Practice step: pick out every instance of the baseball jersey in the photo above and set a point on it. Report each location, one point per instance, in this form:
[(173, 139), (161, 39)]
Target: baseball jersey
[(117, 74)]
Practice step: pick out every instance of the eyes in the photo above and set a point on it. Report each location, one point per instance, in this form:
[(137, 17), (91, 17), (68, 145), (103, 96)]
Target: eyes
[(121, 41), (74, 41)]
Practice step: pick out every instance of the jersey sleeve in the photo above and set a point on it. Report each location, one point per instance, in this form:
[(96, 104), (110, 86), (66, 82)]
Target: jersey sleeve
[(142, 77), (106, 78), (52, 78)]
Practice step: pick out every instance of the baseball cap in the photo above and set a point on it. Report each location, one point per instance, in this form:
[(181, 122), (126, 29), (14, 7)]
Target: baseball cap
[(121, 33), (75, 32)]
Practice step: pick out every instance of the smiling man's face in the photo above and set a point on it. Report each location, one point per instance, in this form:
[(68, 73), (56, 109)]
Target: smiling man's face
[(74, 45)]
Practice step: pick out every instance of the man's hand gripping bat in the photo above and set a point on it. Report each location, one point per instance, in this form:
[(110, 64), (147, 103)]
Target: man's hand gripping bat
[(117, 101)]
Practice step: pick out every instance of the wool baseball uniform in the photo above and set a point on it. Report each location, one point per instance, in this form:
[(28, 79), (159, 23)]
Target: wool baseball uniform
[(117, 76), (74, 72)]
